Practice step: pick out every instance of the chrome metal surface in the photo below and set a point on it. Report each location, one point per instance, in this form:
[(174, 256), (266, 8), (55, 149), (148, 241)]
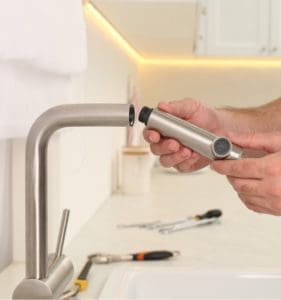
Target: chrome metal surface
[(69, 294), (103, 258), (59, 275), (189, 135), (62, 232), (74, 115), (53, 258), (139, 225), (187, 225)]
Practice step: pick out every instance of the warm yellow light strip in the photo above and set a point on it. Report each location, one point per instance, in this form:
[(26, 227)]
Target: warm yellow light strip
[(107, 27), (210, 62), (196, 62)]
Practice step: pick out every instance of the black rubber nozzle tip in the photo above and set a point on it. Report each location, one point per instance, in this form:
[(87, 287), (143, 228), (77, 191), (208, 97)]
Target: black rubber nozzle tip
[(145, 114), (132, 115)]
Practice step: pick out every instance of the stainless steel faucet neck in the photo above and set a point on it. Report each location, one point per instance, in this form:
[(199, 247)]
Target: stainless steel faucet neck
[(73, 115)]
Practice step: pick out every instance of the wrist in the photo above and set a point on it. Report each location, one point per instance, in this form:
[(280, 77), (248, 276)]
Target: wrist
[(241, 120)]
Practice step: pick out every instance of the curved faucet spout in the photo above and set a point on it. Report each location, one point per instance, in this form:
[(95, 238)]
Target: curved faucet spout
[(36, 169)]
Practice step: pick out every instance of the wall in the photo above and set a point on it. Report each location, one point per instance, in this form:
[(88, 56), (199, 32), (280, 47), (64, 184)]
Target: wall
[(214, 86), (5, 204), (25, 92), (82, 162), (89, 157)]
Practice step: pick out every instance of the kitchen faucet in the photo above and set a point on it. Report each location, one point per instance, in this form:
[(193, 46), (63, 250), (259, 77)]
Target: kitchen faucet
[(48, 275)]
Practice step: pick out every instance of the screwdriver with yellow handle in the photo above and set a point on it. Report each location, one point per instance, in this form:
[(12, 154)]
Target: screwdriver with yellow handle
[(81, 282)]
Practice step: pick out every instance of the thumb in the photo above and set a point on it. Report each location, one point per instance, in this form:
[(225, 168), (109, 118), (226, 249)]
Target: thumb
[(268, 142), (183, 109)]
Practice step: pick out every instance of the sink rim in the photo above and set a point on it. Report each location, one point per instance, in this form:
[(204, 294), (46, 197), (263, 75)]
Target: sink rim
[(120, 277)]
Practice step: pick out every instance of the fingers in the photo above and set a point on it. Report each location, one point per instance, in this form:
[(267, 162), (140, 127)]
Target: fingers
[(180, 108), (259, 195), (165, 146), (257, 188), (170, 151), (243, 168), (151, 136), (260, 205), (170, 160), (255, 208), (270, 188), (268, 142), (243, 186), (158, 145), (196, 162)]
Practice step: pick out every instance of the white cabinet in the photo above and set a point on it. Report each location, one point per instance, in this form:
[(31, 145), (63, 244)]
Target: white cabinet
[(235, 27)]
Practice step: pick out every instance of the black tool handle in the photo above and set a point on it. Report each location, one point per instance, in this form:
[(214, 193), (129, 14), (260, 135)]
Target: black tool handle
[(214, 213), (153, 255), (85, 271)]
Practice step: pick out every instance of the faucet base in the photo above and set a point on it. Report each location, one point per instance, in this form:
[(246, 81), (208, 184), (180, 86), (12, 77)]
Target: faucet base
[(33, 289), (60, 274)]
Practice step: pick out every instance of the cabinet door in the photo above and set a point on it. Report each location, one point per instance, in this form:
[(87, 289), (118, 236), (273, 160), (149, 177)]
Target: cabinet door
[(275, 30), (234, 27)]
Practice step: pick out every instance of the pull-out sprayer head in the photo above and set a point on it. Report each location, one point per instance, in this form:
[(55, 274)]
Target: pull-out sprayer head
[(189, 135)]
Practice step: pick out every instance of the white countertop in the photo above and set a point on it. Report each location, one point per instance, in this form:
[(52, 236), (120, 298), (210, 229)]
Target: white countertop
[(243, 241)]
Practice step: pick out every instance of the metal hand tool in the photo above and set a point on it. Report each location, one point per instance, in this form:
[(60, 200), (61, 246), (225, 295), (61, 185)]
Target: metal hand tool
[(103, 258), (187, 225), (139, 225), (81, 283), (209, 217)]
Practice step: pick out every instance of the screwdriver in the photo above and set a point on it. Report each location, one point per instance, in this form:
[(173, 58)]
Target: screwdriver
[(102, 258), (209, 217), (81, 282)]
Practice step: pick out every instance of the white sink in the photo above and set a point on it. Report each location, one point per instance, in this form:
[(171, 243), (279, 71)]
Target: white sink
[(179, 283)]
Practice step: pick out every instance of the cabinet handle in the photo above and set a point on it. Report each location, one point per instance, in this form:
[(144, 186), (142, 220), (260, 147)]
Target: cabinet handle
[(274, 49), (263, 49)]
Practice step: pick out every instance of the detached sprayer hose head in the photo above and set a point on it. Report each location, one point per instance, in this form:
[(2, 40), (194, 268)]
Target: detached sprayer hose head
[(198, 139)]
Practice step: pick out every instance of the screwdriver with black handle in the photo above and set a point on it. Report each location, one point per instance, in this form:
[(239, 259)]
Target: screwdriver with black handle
[(211, 216)]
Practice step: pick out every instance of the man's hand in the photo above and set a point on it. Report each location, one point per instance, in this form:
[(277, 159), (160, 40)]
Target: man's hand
[(256, 180), (171, 153)]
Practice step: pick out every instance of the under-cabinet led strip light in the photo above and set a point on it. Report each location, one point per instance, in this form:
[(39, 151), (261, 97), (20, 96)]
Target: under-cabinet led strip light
[(109, 29), (102, 22)]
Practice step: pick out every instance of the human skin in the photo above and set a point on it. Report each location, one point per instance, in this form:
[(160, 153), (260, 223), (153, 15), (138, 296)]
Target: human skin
[(265, 118), (256, 180), (171, 153)]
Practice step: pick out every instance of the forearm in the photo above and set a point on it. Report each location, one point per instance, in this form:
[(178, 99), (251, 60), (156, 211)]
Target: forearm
[(264, 118)]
